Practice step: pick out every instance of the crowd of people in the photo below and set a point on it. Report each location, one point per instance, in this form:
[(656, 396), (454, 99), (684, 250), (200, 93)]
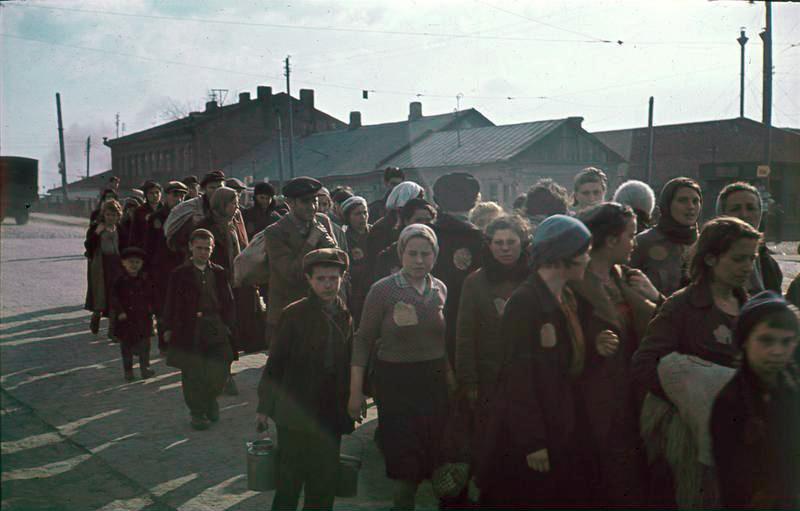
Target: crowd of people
[(571, 351)]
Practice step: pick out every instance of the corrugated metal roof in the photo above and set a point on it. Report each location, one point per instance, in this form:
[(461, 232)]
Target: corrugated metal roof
[(346, 151), (475, 145)]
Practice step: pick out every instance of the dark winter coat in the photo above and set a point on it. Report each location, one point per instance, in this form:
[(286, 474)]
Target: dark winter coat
[(256, 218), (755, 435), (771, 272), (138, 233), (136, 298), (460, 251), (180, 308), (160, 259), (360, 276), (377, 208), (689, 323), (662, 260), (387, 262), (110, 268), (294, 389)]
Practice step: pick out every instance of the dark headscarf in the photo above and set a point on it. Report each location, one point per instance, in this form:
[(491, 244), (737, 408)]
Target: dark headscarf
[(668, 226)]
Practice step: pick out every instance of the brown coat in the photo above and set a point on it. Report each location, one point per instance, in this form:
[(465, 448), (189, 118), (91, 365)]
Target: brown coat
[(286, 247)]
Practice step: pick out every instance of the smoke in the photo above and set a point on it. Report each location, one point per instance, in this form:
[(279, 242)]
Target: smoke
[(75, 153)]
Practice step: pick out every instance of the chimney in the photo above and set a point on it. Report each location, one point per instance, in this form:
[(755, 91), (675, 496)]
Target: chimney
[(414, 111), (307, 98), (211, 106), (244, 97), (263, 92), (355, 120), (576, 121)]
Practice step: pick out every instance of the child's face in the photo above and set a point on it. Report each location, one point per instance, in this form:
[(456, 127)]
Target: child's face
[(132, 265), (769, 350), (325, 281)]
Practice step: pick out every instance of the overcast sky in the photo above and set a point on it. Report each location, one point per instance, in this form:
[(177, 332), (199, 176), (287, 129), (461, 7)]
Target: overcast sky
[(553, 59)]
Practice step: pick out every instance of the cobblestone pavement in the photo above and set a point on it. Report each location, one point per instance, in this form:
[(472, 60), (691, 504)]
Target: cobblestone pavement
[(75, 435)]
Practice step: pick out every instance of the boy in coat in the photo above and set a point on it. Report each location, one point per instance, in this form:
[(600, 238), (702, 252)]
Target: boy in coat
[(132, 300), (305, 385), (198, 319), (756, 416)]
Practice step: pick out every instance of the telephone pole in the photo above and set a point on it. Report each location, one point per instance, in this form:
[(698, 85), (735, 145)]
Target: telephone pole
[(650, 140), (766, 36), (290, 105), (742, 41), (116, 122), (62, 165), (88, 149)]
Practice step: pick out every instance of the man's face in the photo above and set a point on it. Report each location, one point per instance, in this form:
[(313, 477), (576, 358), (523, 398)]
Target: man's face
[(359, 216), (132, 265), (175, 198), (769, 350), (114, 184), (194, 190), (589, 194), (263, 200), (201, 250), (304, 208), (325, 281), (212, 187), (153, 196), (745, 206), (391, 183)]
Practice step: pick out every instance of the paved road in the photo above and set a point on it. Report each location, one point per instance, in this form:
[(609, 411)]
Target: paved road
[(75, 435)]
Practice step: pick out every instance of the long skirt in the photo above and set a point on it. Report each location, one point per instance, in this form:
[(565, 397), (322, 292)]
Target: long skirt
[(103, 270), (412, 413)]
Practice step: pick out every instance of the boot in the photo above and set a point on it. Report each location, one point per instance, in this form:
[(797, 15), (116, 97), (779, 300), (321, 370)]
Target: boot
[(147, 373), (199, 423), (230, 387), (213, 411), (129, 375), (94, 324)]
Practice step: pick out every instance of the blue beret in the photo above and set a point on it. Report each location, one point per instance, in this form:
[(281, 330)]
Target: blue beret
[(559, 237)]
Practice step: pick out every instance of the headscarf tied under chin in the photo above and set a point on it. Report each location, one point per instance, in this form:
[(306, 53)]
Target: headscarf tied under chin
[(668, 226), (219, 202)]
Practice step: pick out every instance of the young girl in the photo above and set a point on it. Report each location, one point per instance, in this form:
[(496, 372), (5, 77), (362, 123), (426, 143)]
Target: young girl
[(102, 249)]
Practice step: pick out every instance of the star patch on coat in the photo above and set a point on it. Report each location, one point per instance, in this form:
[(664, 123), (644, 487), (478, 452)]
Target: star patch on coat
[(723, 334), (547, 336), (658, 252), (405, 314), (462, 258), (500, 305)]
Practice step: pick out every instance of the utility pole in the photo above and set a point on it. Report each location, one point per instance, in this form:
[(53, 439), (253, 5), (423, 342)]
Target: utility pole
[(766, 36), (290, 105), (280, 153), (742, 41), (62, 166), (116, 122), (88, 149), (650, 137)]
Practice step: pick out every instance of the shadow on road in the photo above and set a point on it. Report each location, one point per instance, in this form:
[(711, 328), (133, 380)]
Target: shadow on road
[(25, 316)]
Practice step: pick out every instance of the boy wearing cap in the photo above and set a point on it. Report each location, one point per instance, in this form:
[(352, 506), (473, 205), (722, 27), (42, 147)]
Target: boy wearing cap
[(288, 240), (162, 260), (152, 194), (755, 421), (460, 242), (199, 318), (132, 298), (305, 385)]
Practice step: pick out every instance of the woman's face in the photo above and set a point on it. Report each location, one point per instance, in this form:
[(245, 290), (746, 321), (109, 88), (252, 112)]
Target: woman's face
[(733, 268), (359, 216), (505, 247), (418, 258), (685, 206), (589, 194), (622, 250), (421, 216), (111, 217), (231, 207)]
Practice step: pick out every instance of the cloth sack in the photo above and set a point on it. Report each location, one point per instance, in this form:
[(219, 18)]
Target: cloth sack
[(250, 267), (191, 209), (692, 384)]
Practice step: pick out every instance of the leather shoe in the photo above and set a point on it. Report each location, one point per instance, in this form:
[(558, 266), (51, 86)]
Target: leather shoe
[(200, 423)]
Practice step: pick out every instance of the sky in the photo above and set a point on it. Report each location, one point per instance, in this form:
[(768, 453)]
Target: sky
[(514, 61)]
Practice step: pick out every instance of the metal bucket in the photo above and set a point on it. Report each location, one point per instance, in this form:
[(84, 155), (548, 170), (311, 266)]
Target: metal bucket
[(261, 465), (347, 483)]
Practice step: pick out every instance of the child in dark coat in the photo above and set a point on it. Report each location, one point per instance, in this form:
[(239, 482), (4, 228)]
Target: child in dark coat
[(132, 302), (756, 417)]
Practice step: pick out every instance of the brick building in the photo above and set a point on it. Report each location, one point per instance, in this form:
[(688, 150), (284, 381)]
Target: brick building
[(211, 139)]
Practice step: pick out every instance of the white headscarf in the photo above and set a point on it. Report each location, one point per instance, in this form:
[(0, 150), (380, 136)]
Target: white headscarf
[(403, 193)]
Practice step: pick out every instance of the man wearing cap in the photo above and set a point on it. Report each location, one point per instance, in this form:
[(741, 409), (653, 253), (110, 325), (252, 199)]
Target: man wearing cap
[(236, 184), (192, 186), (460, 242), (289, 239), (262, 213), (305, 385), (162, 260), (152, 194)]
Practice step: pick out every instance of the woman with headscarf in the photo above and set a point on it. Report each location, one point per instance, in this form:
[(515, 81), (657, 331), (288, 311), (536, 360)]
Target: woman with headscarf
[(412, 374), (640, 197), (355, 215), (102, 249), (415, 211), (662, 251), (384, 232), (533, 451)]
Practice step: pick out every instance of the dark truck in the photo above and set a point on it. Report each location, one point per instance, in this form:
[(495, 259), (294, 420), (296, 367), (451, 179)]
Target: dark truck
[(19, 187)]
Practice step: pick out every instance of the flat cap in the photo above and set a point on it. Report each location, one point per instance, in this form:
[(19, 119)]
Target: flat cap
[(213, 176), (300, 186), (235, 183), (130, 252), (264, 189), (176, 187), (149, 185), (190, 180), (332, 256)]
